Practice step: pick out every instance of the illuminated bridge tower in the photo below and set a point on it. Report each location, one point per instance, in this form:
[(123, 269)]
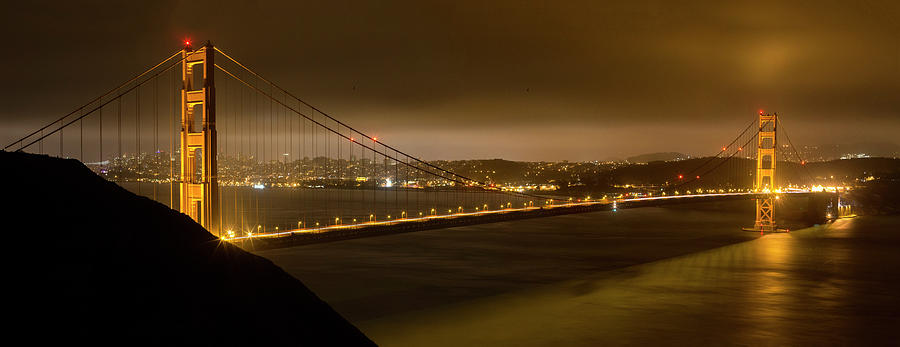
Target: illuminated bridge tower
[(765, 173), (199, 179)]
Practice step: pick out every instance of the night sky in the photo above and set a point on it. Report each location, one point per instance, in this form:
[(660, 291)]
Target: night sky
[(521, 80)]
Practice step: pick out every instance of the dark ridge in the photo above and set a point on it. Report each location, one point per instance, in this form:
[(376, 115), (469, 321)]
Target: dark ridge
[(878, 197), (92, 261), (659, 156), (658, 173)]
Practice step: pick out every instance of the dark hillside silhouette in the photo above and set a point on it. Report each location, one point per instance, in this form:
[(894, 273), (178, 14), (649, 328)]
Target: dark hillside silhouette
[(92, 261)]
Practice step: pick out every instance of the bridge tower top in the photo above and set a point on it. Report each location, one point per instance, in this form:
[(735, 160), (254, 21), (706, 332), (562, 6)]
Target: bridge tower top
[(765, 155), (199, 178), (765, 171)]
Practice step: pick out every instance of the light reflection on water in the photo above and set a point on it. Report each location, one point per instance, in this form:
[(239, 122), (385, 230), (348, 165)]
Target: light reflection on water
[(833, 284)]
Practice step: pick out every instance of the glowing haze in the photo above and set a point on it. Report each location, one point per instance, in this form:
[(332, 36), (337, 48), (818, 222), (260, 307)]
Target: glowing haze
[(520, 80)]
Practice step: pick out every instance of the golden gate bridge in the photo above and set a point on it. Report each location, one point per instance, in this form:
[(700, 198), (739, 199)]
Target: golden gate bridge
[(205, 135)]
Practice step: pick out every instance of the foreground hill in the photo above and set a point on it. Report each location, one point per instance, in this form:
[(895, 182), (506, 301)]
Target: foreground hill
[(92, 261)]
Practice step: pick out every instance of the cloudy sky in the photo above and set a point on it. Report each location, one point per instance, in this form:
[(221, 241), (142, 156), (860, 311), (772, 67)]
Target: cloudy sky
[(522, 80)]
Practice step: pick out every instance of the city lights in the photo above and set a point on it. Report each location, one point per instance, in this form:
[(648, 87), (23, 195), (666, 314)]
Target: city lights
[(228, 189)]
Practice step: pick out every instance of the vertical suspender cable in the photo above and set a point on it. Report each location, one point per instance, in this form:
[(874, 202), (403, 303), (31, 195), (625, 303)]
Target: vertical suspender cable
[(100, 130), (119, 125), (137, 136), (172, 141)]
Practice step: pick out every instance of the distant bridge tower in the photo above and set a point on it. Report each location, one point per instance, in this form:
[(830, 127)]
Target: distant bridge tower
[(765, 172), (199, 177)]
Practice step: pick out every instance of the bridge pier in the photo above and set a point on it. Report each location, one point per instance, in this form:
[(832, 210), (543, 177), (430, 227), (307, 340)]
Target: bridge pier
[(818, 208), (825, 206), (765, 214)]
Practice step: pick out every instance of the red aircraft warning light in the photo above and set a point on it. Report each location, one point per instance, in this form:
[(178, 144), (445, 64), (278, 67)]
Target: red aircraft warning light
[(698, 177), (680, 176)]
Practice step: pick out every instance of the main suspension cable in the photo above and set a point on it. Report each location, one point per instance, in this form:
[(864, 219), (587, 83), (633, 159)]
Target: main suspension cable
[(44, 135), (374, 150), (91, 102), (338, 121)]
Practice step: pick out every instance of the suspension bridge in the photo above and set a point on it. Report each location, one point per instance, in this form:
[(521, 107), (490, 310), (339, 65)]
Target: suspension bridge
[(206, 135)]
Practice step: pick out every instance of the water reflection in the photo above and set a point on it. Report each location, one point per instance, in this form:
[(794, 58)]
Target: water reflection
[(831, 284)]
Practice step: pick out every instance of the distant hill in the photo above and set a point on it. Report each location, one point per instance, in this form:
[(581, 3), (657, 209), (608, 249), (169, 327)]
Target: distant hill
[(93, 262), (850, 150), (660, 156), (497, 170), (658, 173)]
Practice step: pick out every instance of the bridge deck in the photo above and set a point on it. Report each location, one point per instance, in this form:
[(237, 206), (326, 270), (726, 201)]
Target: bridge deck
[(290, 238)]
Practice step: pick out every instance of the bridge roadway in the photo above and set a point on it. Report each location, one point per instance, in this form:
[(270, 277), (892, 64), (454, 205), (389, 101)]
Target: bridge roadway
[(290, 238)]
